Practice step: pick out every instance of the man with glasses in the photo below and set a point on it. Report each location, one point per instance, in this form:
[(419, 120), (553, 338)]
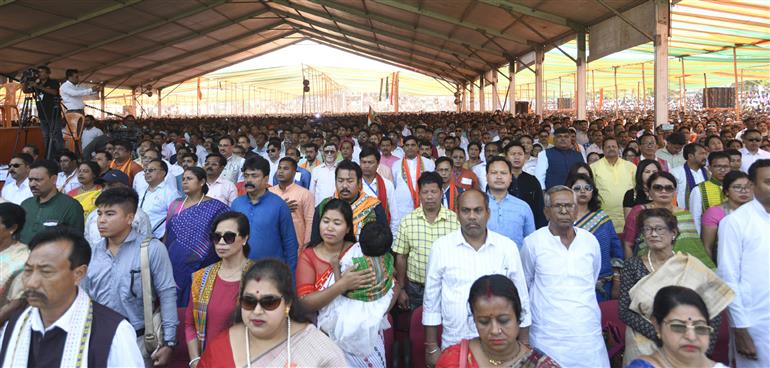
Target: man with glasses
[(692, 173), (140, 181), (751, 152), (273, 155), (613, 176), (554, 163), (16, 188), (157, 196), (562, 264), (114, 273), (709, 193), (742, 257), (232, 170), (648, 146), (322, 177)]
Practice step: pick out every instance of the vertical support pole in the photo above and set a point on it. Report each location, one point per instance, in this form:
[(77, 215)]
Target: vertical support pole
[(737, 90), (395, 90), (593, 90), (684, 87), (482, 105), (512, 87), (133, 101), (644, 90), (101, 101), (661, 61), (638, 96), (539, 101), (705, 92), (160, 103), (473, 98), (580, 78), (463, 106), (457, 101), (495, 95), (617, 97)]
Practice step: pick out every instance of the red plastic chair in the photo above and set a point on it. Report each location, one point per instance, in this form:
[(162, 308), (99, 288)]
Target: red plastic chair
[(613, 328), (417, 339)]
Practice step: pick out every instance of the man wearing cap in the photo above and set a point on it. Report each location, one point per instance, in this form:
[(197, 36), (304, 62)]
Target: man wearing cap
[(554, 164), (116, 179)]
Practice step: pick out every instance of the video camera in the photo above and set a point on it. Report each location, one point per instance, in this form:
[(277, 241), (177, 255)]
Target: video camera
[(28, 77)]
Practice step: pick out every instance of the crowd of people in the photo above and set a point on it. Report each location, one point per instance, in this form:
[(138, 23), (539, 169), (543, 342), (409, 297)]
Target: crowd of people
[(272, 241)]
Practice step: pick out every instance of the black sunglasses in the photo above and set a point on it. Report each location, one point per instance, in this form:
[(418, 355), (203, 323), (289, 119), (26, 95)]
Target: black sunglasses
[(267, 302), (15, 166), (229, 237), (663, 188)]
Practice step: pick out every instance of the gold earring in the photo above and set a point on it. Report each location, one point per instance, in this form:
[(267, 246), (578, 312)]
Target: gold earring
[(287, 311)]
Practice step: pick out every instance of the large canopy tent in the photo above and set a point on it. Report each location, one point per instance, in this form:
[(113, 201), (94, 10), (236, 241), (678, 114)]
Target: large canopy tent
[(153, 44)]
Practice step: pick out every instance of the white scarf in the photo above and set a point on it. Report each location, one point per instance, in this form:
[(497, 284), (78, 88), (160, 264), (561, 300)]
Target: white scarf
[(75, 352)]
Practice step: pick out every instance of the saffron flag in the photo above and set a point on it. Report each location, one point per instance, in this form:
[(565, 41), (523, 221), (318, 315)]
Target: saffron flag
[(371, 117)]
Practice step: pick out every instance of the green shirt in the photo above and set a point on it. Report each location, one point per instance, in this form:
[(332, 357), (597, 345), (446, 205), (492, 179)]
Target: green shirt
[(59, 210)]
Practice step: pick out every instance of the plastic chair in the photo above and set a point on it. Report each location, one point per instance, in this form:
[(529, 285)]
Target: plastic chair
[(613, 329), (417, 338)]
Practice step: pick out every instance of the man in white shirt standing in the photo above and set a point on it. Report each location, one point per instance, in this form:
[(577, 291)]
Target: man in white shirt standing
[(232, 170), (744, 248), (322, 177), (406, 171), (90, 131), (561, 263), (72, 92), (751, 152), (16, 187), (456, 261), (692, 173), (375, 185), (67, 178), (220, 188), (155, 199)]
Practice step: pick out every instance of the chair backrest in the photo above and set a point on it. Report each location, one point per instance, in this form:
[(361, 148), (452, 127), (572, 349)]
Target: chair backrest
[(721, 351), (613, 328), (417, 338)]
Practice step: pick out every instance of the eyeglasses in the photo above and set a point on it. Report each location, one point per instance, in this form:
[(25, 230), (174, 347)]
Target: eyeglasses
[(330, 152), (663, 188), (681, 328), (563, 206), (648, 230), (741, 188), (267, 302), (229, 237), (273, 150), (586, 188), (150, 171), (16, 166), (754, 139)]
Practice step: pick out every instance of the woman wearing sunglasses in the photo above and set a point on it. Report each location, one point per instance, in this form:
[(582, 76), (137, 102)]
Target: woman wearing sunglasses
[(659, 266), (271, 328), (680, 318), (591, 217), (219, 282), (661, 187), (316, 283), (638, 194)]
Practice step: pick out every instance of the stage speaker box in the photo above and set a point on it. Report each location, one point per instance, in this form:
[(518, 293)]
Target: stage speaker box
[(719, 97), (522, 107), (564, 103)]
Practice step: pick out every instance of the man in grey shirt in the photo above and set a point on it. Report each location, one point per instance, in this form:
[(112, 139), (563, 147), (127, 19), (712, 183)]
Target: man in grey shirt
[(114, 273)]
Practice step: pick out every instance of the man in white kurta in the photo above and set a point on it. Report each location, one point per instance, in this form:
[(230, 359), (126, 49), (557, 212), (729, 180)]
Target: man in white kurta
[(743, 256), (406, 171), (561, 263), (694, 170), (322, 177), (460, 258)]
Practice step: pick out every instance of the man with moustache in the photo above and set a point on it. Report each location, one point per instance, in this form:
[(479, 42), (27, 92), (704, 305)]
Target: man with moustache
[(268, 215), (16, 188), (692, 173), (62, 326), (48, 207), (220, 188), (365, 208), (613, 176), (299, 199)]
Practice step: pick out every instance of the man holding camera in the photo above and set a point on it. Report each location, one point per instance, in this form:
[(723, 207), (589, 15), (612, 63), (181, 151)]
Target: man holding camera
[(72, 93), (50, 120)]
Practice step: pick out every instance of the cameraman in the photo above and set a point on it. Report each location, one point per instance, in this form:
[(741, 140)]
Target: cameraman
[(72, 94), (47, 97)]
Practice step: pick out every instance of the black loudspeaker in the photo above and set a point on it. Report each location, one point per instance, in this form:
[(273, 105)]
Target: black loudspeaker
[(719, 97), (522, 107), (564, 103)]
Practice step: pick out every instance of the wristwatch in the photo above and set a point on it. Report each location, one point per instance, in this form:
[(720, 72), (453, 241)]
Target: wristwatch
[(171, 344)]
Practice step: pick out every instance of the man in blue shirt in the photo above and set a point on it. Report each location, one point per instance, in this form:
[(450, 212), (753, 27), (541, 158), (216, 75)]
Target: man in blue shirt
[(508, 215), (302, 177), (269, 216)]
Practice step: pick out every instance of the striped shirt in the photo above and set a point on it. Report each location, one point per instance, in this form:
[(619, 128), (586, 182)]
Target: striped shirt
[(416, 236)]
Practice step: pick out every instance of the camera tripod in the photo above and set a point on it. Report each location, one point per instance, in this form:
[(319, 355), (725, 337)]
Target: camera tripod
[(25, 115)]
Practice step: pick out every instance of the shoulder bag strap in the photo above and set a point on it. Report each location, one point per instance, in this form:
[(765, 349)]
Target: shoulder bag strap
[(144, 255), (464, 346)]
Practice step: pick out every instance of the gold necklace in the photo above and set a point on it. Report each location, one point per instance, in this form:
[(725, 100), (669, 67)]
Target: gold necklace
[(500, 362)]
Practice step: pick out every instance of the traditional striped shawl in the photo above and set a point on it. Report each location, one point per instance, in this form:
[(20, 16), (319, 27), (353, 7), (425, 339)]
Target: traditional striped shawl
[(711, 193), (593, 221)]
